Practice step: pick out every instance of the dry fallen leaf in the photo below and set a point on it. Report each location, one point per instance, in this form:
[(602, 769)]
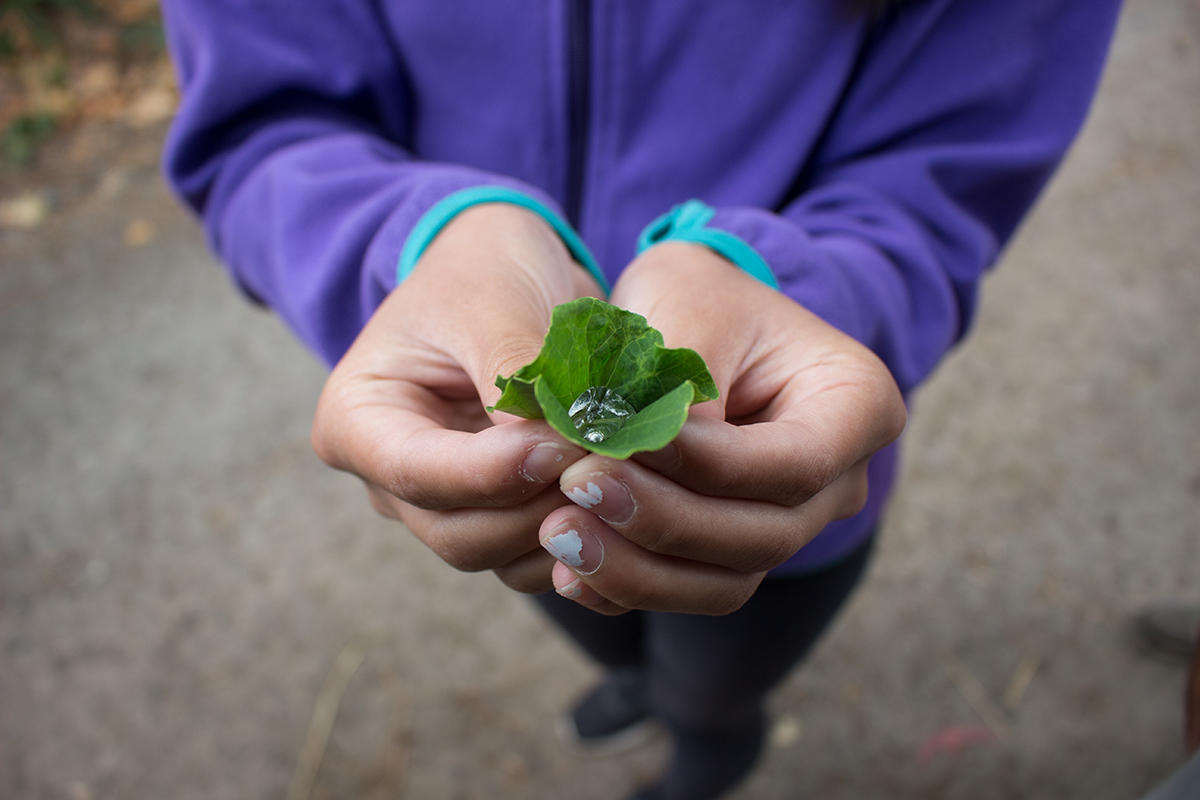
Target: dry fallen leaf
[(25, 211), (130, 11), (98, 78), (152, 106), (139, 232)]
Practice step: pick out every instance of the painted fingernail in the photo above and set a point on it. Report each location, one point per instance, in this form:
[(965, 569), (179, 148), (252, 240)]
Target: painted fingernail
[(604, 495), (544, 462), (581, 593), (572, 590), (576, 547)]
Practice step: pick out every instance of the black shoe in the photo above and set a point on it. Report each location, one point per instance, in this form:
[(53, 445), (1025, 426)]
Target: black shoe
[(613, 718), (1169, 629)]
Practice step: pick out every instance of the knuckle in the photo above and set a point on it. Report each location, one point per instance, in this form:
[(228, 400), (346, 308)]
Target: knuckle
[(636, 595), (857, 500), (856, 493), (897, 416), (806, 476), (383, 505), (524, 579), (795, 492), (320, 443), (663, 539), (772, 552), (820, 470), (505, 358), (727, 481), (456, 551), (329, 420), (406, 485), (802, 487), (497, 486), (321, 435), (891, 410), (731, 600)]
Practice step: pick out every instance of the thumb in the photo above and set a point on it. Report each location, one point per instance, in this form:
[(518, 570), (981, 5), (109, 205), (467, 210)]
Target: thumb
[(500, 354), (697, 299)]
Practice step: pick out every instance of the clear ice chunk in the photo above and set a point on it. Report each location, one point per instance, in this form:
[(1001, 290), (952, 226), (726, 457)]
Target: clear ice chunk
[(599, 412)]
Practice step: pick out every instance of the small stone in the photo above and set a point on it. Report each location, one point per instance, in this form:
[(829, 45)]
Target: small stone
[(785, 732)]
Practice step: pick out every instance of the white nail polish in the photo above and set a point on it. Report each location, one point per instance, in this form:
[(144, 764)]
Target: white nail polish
[(586, 498), (572, 590), (567, 547)]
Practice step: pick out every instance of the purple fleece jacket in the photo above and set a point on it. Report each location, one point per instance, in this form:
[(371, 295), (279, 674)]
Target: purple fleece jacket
[(877, 164)]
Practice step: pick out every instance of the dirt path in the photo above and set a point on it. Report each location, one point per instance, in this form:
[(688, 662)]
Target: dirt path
[(178, 574)]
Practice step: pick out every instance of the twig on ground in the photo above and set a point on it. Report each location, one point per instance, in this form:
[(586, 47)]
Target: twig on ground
[(325, 710), (1022, 677), (976, 695)]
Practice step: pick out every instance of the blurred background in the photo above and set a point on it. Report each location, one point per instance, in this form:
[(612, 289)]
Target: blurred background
[(191, 606)]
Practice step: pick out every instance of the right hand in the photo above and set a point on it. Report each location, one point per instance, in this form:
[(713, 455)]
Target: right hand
[(754, 475), (404, 408)]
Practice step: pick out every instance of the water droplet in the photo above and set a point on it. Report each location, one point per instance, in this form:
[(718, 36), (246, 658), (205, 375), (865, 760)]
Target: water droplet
[(599, 412)]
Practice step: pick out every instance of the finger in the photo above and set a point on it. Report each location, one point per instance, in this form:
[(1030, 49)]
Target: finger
[(474, 539), (667, 518), (426, 465), (682, 288), (568, 585), (633, 578), (529, 574), (786, 460)]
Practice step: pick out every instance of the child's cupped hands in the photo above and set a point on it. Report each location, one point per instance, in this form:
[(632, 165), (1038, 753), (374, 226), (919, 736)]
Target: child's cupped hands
[(752, 477)]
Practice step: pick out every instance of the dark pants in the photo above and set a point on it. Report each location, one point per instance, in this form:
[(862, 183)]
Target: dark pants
[(708, 677)]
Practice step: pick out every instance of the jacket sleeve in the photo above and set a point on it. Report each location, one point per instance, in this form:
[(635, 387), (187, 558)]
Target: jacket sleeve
[(290, 143), (957, 116)]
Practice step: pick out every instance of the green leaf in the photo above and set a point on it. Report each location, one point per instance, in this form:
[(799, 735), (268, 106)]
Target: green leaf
[(593, 344)]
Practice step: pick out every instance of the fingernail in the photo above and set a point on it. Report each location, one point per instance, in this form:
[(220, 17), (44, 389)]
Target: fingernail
[(572, 590), (603, 495), (581, 593), (576, 547), (544, 462)]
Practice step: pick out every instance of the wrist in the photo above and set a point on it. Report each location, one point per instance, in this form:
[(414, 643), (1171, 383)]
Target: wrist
[(492, 242), (689, 265), (508, 231), (446, 211), (689, 222)]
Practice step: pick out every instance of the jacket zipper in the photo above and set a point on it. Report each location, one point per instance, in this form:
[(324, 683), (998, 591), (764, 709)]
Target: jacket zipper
[(579, 23)]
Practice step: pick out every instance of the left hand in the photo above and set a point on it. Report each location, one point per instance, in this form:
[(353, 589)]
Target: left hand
[(753, 476), (404, 408)]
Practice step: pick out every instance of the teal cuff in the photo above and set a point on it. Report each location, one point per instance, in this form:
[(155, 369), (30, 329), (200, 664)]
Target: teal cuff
[(446, 209), (686, 223)]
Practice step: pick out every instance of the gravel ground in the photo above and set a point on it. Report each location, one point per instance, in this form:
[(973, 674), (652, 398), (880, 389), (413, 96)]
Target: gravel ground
[(182, 583)]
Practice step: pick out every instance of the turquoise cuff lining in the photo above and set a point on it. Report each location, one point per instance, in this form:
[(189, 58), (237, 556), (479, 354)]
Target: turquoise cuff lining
[(686, 223), (446, 209)]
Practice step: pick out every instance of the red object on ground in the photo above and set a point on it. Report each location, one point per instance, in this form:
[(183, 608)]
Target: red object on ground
[(952, 739)]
